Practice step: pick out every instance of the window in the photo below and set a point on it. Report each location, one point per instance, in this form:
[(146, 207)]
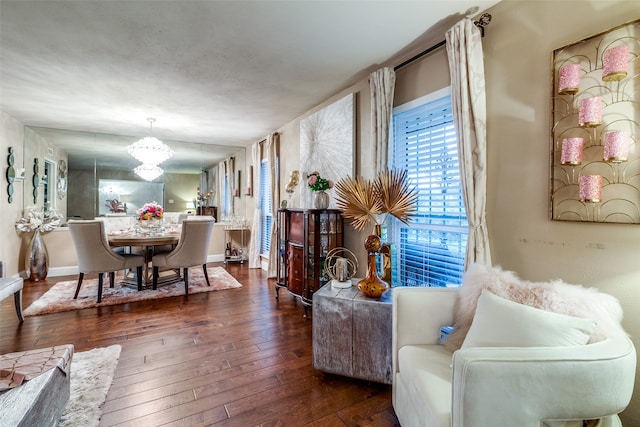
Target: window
[(266, 215), (430, 250)]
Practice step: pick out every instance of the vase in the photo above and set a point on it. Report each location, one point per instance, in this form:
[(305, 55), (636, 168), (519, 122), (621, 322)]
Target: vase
[(36, 260), (372, 285), (320, 200)]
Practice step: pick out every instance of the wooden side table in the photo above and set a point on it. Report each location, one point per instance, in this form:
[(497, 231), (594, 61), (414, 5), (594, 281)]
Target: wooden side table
[(352, 334)]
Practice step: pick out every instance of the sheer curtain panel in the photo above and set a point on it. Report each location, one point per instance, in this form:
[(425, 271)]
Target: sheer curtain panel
[(466, 64), (273, 154), (382, 84), (256, 231)]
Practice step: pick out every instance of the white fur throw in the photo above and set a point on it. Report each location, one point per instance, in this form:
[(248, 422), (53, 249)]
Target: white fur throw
[(555, 296)]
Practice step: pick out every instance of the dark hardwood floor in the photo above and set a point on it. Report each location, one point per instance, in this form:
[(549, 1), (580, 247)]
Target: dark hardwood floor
[(236, 357)]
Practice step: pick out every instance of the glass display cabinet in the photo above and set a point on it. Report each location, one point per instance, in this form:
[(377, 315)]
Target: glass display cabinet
[(305, 236)]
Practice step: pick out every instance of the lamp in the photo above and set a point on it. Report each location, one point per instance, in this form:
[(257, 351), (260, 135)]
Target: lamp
[(150, 150), (148, 172)]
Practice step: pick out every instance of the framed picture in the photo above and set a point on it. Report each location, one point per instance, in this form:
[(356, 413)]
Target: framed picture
[(595, 128)]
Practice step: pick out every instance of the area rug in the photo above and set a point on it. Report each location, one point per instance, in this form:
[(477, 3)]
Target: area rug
[(91, 376), (60, 296)]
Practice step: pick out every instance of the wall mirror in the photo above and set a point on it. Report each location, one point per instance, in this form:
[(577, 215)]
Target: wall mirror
[(595, 134), (83, 172)]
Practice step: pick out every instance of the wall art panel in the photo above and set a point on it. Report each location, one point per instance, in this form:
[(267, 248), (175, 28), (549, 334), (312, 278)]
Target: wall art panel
[(327, 141), (595, 134)]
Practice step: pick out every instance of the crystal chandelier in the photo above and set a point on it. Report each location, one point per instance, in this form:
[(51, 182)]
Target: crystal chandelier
[(150, 150), (148, 172)]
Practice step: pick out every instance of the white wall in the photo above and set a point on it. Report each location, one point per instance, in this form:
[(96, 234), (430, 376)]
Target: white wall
[(11, 135)]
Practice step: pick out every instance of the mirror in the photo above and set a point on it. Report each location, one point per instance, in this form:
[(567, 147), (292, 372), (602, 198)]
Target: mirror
[(82, 170)]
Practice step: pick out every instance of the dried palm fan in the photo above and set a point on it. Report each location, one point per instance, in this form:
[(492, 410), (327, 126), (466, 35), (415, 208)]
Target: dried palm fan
[(396, 195), (358, 200), (368, 202)]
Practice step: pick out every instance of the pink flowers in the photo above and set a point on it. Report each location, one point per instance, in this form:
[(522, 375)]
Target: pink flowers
[(150, 211), (317, 183)]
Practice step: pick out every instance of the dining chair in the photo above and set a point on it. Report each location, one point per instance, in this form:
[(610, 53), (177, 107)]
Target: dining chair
[(191, 250), (95, 255)]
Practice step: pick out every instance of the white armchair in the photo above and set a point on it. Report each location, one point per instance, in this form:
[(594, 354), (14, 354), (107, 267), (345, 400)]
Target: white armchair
[(506, 386)]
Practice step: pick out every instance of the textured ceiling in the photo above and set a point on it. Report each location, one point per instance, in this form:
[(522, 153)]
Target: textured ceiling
[(213, 72)]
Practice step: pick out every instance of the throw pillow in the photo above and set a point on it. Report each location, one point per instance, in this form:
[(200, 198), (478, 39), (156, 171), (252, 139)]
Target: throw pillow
[(555, 296), (499, 322)]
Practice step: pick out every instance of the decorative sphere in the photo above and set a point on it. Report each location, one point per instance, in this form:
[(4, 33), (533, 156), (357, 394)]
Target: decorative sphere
[(372, 243)]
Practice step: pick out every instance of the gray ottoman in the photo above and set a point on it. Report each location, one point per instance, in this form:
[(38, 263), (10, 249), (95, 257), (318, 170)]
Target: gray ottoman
[(42, 397)]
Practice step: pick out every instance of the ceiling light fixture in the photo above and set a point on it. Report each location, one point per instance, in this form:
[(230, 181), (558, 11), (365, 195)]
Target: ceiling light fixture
[(148, 172), (150, 150)]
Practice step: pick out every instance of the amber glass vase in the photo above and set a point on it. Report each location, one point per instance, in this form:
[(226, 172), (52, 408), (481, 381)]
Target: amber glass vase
[(372, 285)]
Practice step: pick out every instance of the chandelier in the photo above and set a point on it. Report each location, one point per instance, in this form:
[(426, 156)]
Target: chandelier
[(150, 150), (148, 172)]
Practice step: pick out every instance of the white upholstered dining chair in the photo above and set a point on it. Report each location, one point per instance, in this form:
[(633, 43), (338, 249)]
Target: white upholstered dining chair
[(95, 255), (192, 249)]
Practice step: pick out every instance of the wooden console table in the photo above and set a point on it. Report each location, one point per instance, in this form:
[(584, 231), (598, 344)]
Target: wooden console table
[(352, 333)]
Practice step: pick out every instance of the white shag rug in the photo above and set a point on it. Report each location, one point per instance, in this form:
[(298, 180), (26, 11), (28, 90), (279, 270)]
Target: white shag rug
[(91, 376)]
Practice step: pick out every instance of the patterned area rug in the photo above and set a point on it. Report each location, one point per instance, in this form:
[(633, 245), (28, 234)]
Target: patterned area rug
[(60, 296)]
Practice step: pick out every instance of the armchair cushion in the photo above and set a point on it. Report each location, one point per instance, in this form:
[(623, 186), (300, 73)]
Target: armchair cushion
[(428, 385), (554, 296), (499, 322)]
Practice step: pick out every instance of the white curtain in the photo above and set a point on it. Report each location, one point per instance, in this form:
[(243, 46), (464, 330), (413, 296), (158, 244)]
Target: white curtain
[(382, 84), (229, 173), (220, 189), (256, 225), (273, 155), (466, 64)]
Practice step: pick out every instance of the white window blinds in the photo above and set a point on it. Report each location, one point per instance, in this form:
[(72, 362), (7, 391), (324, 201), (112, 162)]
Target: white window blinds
[(266, 216), (430, 250)]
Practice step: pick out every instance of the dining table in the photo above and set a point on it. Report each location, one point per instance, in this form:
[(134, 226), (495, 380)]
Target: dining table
[(149, 242)]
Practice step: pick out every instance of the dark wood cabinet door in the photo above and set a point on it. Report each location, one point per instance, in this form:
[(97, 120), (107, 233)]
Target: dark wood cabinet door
[(296, 272)]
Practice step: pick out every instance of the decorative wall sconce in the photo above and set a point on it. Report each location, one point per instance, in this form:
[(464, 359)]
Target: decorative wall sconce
[(10, 174), (36, 180), (595, 134)]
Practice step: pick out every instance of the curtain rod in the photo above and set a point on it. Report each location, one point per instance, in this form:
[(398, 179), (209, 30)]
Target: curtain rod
[(482, 22)]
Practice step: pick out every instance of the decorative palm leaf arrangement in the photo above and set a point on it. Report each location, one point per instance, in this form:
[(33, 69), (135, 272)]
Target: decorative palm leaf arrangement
[(368, 202)]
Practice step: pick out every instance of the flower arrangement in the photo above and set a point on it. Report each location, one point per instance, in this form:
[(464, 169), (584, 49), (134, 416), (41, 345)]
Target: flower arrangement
[(317, 183), (150, 211), (202, 199), (369, 202), (36, 218)]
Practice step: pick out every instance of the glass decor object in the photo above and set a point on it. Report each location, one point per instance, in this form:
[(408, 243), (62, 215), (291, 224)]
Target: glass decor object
[(36, 261), (595, 131), (572, 151), (591, 188), (615, 62), (590, 112), (320, 199), (616, 146), (372, 285), (569, 79)]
